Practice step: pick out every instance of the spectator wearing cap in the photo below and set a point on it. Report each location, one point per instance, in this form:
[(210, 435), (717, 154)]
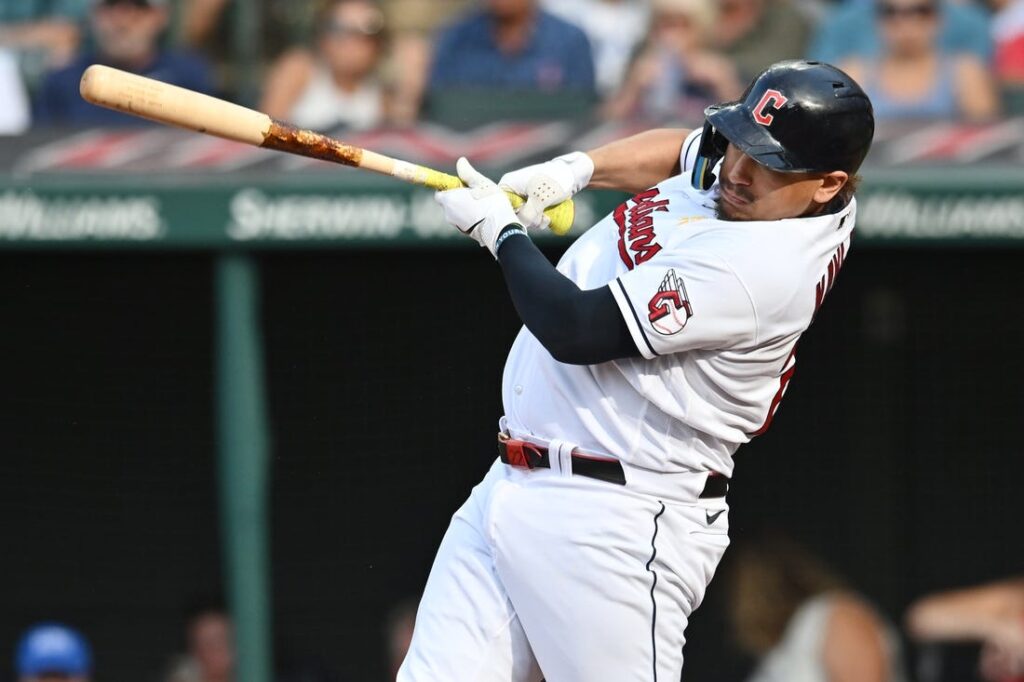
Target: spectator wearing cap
[(677, 75), (335, 84), (127, 36), (914, 78), (513, 45), (52, 652)]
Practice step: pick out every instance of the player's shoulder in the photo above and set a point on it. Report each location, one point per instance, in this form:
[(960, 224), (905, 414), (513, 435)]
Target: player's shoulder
[(778, 262)]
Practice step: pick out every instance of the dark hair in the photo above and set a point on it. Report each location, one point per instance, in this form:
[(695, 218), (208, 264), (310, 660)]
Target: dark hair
[(840, 200), (847, 191)]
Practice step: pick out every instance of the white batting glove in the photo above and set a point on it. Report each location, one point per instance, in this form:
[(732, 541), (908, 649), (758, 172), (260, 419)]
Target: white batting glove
[(480, 210), (548, 184)]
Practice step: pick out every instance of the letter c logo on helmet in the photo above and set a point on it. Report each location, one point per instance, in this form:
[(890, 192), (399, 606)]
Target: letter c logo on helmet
[(824, 122), (771, 99)]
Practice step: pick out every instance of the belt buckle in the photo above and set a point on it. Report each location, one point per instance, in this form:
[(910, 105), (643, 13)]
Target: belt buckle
[(519, 453)]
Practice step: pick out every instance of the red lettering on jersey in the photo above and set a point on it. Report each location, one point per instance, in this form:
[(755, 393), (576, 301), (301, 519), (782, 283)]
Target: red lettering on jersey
[(828, 279), (636, 227), (821, 290), (788, 370), (771, 99)]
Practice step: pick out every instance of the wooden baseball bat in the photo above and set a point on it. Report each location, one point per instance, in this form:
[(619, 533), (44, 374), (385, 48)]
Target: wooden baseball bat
[(173, 105)]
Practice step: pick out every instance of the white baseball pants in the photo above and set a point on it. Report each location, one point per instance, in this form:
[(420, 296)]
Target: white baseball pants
[(542, 574)]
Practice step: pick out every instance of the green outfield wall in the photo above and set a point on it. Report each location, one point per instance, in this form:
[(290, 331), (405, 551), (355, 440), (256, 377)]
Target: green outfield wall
[(942, 205)]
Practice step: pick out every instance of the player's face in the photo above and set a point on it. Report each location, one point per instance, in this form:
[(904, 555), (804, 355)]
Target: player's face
[(750, 191)]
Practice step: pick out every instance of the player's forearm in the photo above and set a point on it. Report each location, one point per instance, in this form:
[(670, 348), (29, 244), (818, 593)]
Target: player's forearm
[(635, 163), (578, 327)]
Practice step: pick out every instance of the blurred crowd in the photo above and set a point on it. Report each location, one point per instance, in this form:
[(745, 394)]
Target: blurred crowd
[(325, 64), (796, 617)]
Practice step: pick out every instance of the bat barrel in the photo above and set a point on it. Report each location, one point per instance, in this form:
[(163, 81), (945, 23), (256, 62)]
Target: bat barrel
[(170, 104)]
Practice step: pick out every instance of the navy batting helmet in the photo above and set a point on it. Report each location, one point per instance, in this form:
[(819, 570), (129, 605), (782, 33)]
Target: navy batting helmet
[(796, 116)]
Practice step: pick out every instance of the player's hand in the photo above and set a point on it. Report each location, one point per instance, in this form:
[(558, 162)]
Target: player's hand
[(480, 210), (547, 184)]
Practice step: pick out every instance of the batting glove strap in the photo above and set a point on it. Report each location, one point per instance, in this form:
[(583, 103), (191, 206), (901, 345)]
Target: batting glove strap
[(480, 210), (547, 184), (509, 231), (582, 168)]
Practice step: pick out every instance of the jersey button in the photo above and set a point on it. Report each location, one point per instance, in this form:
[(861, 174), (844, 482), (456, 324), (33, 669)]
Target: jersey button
[(519, 389)]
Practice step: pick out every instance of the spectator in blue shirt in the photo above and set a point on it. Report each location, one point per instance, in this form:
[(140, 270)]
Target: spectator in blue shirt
[(850, 30), (127, 36), (513, 45)]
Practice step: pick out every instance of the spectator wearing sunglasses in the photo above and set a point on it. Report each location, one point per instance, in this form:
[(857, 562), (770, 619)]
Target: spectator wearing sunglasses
[(913, 78), (127, 36), (850, 30), (336, 84)]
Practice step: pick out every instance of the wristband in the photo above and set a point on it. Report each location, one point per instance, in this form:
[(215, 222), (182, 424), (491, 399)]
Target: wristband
[(582, 168), (509, 231)]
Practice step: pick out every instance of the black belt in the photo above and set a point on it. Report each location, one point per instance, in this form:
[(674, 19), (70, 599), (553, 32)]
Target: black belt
[(526, 455)]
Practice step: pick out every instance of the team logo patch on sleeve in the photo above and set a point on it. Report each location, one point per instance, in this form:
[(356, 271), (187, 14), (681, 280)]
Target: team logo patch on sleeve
[(670, 308)]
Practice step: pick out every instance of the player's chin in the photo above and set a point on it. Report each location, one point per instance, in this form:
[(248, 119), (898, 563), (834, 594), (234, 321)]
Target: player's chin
[(727, 211)]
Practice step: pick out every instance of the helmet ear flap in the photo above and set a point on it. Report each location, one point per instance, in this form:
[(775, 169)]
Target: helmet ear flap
[(711, 150)]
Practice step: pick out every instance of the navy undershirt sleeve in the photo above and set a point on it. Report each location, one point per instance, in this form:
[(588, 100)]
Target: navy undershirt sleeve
[(577, 327)]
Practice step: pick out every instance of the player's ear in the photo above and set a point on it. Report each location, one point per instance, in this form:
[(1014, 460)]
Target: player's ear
[(831, 183)]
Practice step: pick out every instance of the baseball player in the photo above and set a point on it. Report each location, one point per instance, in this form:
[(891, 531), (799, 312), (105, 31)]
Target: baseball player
[(663, 340)]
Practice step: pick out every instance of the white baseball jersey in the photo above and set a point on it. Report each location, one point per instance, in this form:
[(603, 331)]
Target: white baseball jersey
[(715, 307)]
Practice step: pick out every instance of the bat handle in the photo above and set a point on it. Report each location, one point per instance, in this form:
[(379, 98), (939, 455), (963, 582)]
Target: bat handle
[(561, 215)]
